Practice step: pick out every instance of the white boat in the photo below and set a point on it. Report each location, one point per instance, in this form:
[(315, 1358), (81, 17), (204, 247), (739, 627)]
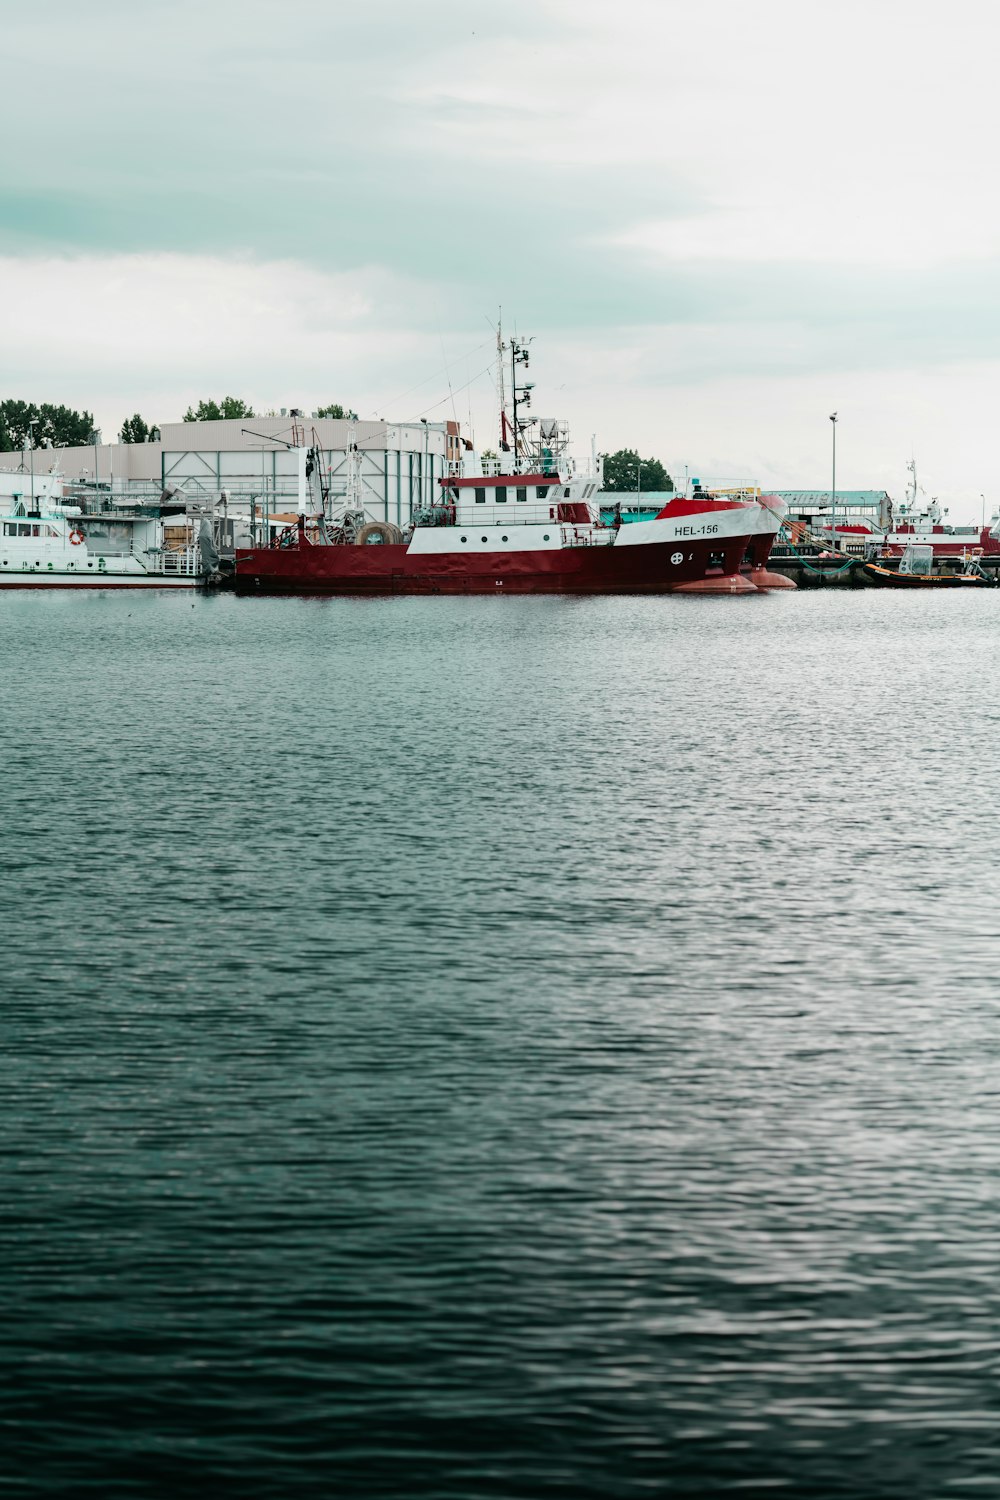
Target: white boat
[(48, 543)]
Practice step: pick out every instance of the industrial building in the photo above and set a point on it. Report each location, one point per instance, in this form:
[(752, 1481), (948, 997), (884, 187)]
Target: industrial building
[(247, 463), (854, 507)]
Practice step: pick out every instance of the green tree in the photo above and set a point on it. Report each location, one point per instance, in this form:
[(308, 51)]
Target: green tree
[(623, 474), (217, 411), (55, 426), (336, 410), (135, 430)]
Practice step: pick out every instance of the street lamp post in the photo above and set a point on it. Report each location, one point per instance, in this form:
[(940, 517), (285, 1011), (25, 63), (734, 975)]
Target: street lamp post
[(833, 493), (638, 486), (32, 424)]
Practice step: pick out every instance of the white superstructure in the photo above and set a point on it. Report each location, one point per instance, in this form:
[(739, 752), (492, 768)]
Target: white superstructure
[(47, 543)]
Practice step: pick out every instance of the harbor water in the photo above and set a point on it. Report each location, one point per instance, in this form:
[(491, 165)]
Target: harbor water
[(535, 1048)]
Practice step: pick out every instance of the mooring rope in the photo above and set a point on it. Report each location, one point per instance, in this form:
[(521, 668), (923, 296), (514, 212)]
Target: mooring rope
[(821, 572)]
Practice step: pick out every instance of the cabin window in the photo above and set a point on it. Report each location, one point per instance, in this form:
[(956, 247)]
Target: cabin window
[(500, 495), (541, 490), (23, 529), (9, 528), (522, 494), (566, 494), (481, 496)]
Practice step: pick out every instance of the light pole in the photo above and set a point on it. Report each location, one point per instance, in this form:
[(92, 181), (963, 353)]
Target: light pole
[(833, 495), (32, 424), (638, 486), (95, 438)]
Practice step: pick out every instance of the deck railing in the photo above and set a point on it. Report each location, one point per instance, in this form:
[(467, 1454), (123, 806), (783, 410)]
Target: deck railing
[(182, 562)]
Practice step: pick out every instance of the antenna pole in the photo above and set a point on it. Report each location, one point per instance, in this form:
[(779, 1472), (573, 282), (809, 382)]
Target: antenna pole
[(513, 396), (833, 494), (503, 436)]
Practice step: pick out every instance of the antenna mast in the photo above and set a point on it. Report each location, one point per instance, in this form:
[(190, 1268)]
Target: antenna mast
[(501, 346), (353, 467), (520, 396)]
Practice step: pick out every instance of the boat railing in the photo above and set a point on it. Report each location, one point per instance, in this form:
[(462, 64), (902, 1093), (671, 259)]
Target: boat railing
[(584, 536), (177, 562)]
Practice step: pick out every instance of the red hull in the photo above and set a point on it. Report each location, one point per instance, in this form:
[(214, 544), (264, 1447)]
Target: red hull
[(564, 570), (755, 565)]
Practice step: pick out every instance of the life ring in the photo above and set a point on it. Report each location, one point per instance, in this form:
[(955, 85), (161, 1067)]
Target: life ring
[(76, 537)]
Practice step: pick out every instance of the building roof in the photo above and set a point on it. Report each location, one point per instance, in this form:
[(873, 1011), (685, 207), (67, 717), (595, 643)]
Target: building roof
[(844, 497)]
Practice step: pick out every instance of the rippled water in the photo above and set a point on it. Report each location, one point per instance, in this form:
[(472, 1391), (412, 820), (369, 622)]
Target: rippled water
[(529, 1048)]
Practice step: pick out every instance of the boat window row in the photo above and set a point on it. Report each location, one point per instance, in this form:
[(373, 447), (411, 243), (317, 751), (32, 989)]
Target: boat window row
[(499, 495), (24, 528)]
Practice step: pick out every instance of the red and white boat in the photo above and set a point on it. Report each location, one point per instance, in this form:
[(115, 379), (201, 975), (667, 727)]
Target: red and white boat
[(920, 523), (529, 523)]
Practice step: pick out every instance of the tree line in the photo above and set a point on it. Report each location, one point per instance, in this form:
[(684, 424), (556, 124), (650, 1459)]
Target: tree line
[(30, 424), (26, 424)]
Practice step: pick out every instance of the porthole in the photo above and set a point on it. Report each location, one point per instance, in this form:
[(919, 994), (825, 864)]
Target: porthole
[(545, 537), (485, 538), (464, 538), (503, 538), (90, 565)]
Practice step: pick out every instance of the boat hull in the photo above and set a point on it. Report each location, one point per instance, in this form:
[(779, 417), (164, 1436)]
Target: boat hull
[(32, 579), (655, 568), (772, 512)]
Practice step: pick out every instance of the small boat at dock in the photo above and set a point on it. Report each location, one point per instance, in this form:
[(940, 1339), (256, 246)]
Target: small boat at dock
[(47, 541), (916, 570)]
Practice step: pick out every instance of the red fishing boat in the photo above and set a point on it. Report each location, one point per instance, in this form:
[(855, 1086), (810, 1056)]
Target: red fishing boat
[(526, 523)]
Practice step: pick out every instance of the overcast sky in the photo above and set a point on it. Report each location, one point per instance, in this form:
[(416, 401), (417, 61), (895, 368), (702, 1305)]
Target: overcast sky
[(721, 220)]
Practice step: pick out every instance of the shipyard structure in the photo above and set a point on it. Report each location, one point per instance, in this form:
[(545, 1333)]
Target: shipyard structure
[(245, 470)]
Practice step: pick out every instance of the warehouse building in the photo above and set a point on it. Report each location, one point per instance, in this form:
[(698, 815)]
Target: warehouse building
[(248, 462)]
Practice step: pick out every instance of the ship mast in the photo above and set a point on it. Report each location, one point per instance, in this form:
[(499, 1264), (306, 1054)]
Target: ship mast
[(501, 346), (354, 501), (520, 396)]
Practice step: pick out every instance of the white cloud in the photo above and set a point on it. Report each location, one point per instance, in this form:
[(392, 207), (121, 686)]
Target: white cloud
[(864, 135), (879, 233), (156, 331)]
